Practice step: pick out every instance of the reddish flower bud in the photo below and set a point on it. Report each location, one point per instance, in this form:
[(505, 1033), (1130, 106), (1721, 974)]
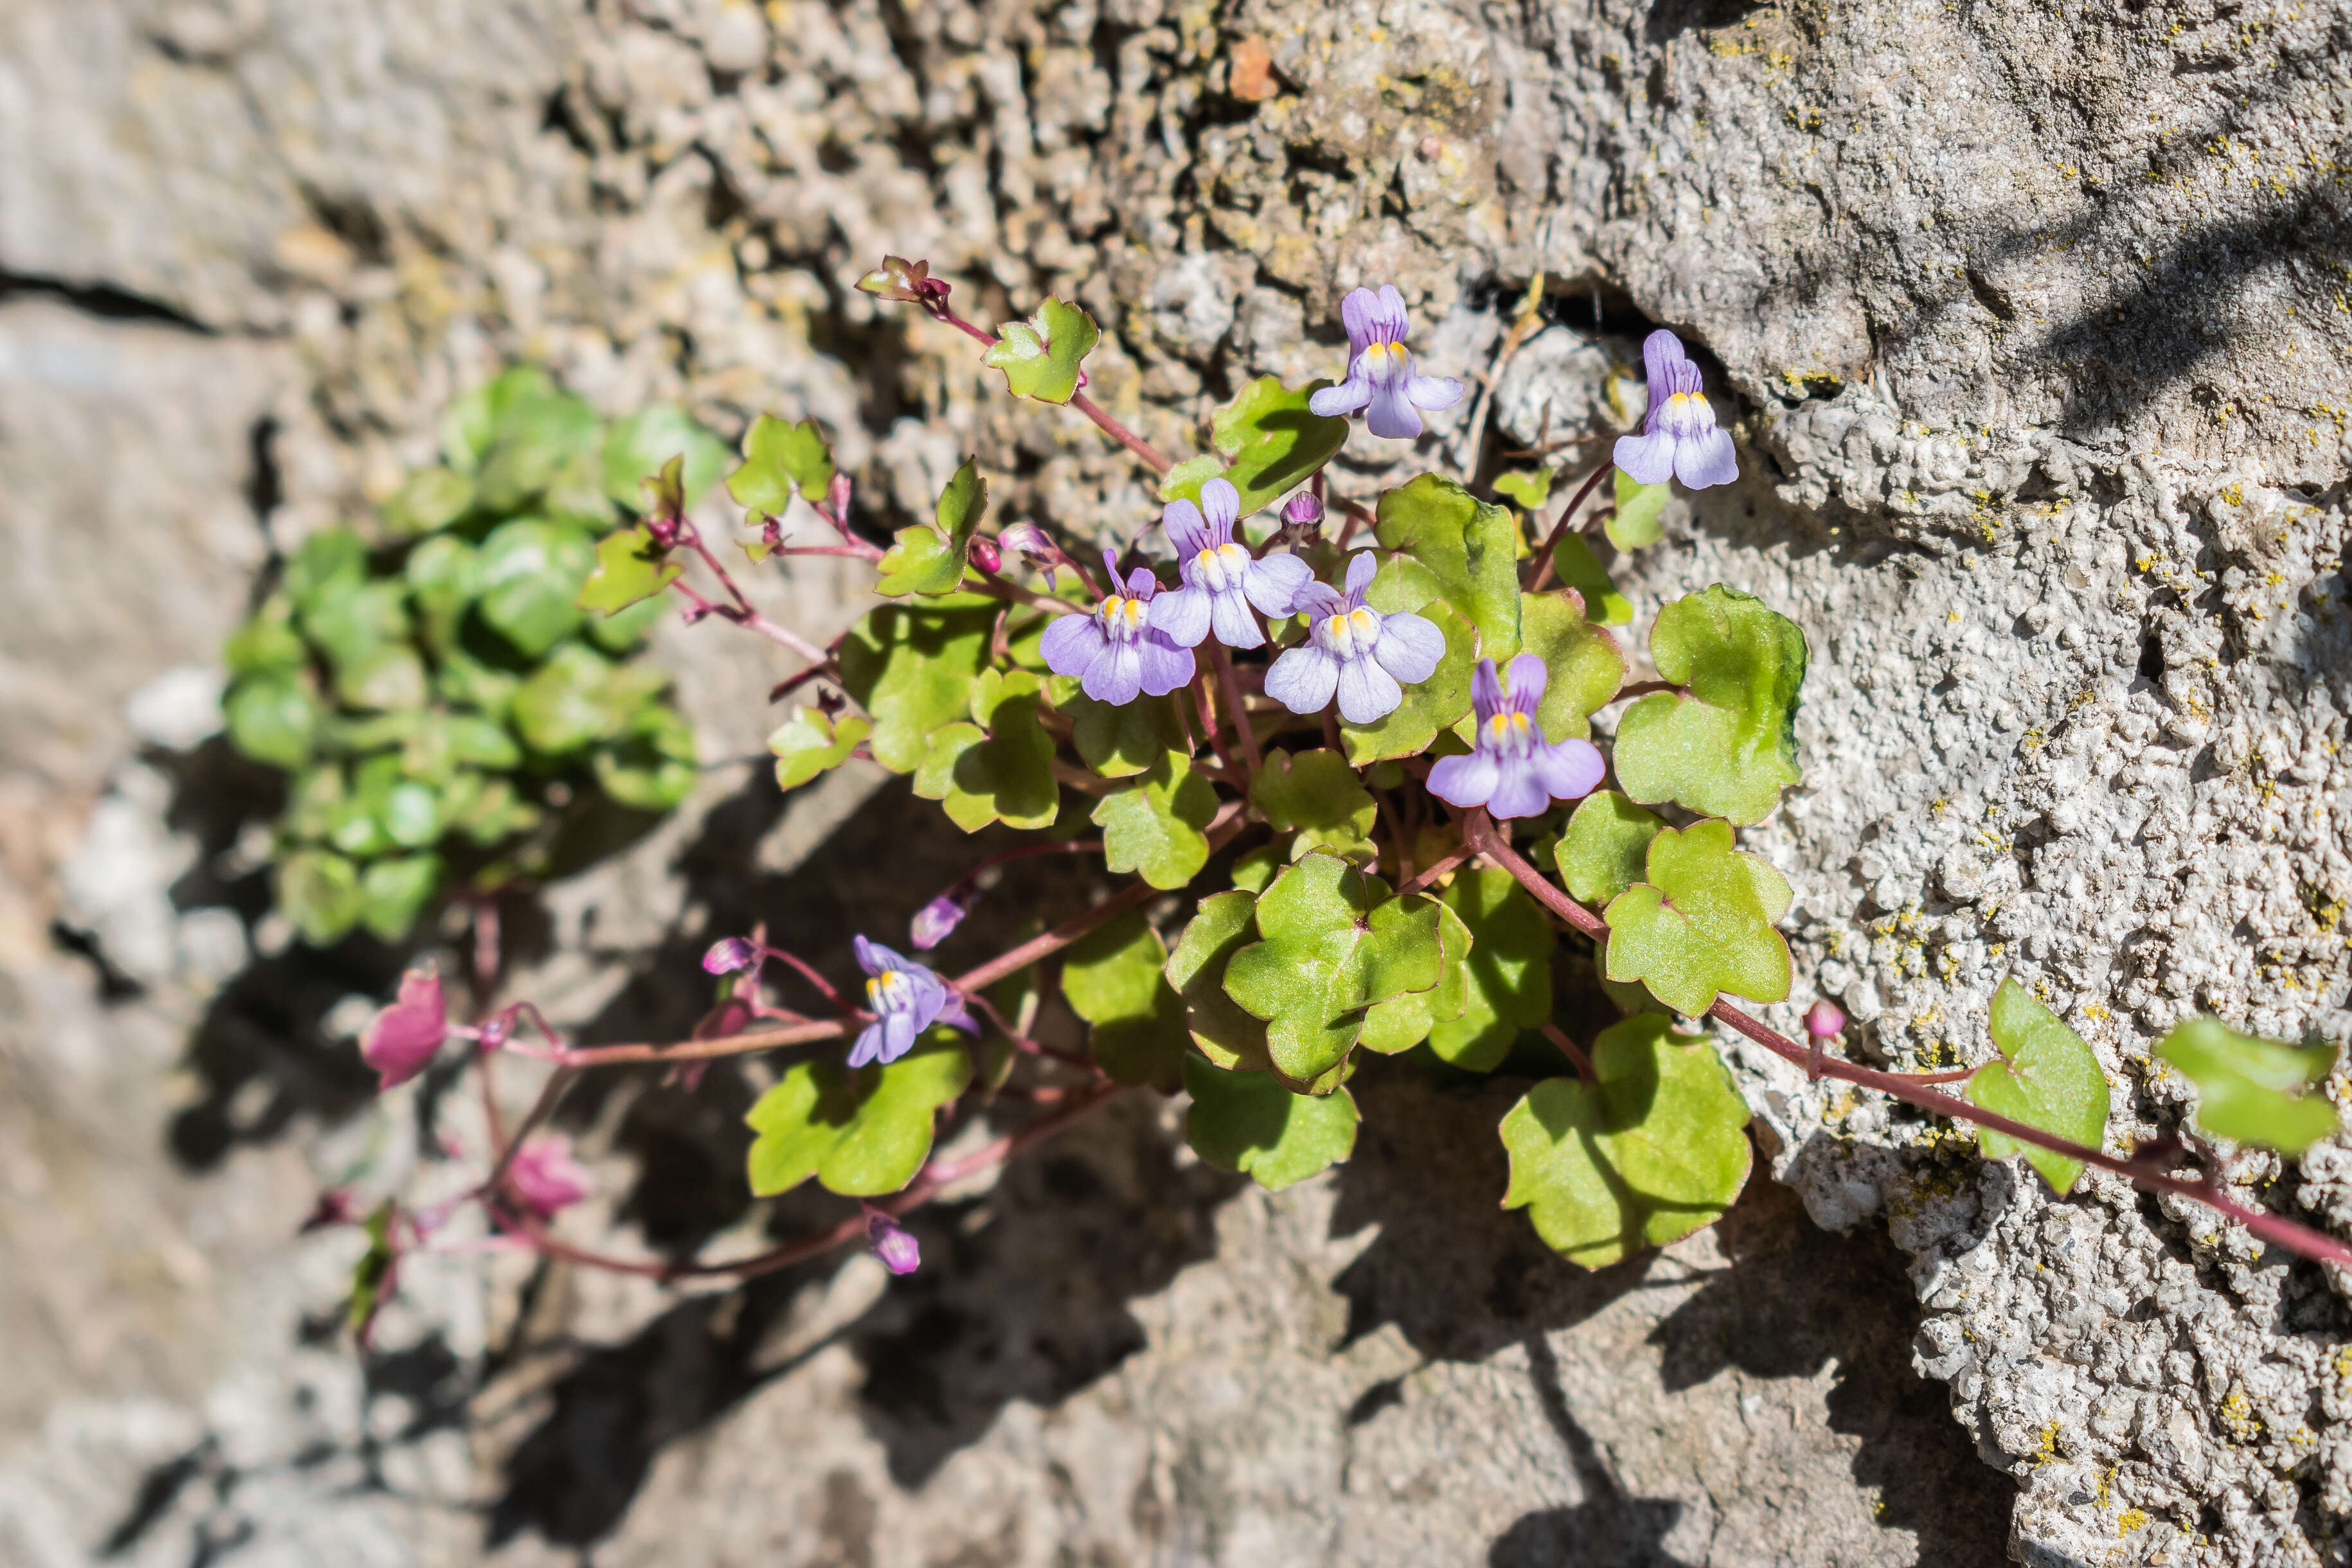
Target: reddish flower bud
[(401, 1040), (891, 1242), (729, 954), (935, 920), (546, 1177), (1304, 509), (985, 554), (1824, 1020)]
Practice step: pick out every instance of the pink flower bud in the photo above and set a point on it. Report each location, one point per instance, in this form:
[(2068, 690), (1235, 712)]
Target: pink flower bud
[(891, 1242), (1304, 509), (1823, 1019), (401, 1040), (729, 954), (986, 555), (1038, 552), (836, 501), (546, 1177), (935, 920)]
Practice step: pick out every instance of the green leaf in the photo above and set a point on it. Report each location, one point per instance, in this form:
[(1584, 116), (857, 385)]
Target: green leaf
[(274, 719), (1606, 847), (2252, 1090), (1587, 667), (1120, 742), (391, 675), (1249, 1125), (445, 578), (1436, 704), (1508, 968), (1004, 771), (1040, 356), (1334, 944), (1702, 923), (930, 559), (2047, 1079), (779, 458), (1650, 1152), (1402, 1022), (492, 811), (1529, 488), (1470, 547), (328, 562), (267, 643), (1318, 795), (467, 682), (636, 448), (471, 421), (1573, 560), (405, 812), (428, 500), (568, 702), (374, 1271), (351, 621), (809, 743), (1269, 443), (540, 435), (1639, 521), (1727, 746), (1113, 979), (1154, 826), (861, 1133), (396, 891), (531, 572), (653, 766), (629, 567), (320, 892), (1253, 869), (1225, 1032), (912, 667), (623, 630)]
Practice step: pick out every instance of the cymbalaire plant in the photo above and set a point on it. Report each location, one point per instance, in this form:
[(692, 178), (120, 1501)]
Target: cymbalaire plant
[(1348, 787)]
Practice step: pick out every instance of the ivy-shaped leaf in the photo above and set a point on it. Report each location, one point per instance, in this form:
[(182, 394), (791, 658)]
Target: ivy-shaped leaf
[(629, 567), (531, 572), (266, 642), (928, 559), (1726, 745), (1606, 849), (1333, 945), (861, 1132), (427, 500), (320, 892), (652, 764), (809, 743), (1040, 357), (646, 442), (394, 892), (1317, 794), (778, 460), (1573, 560), (330, 561), (1650, 1152), (1701, 922), (569, 702), (1639, 521), (1438, 703), (1123, 741), (445, 578), (1268, 442), (1153, 826), (1528, 486), (1470, 547), (1402, 1022), (1225, 1032), (2047, 1077), (1113, 978), (912, 667), (1250, 1124), (538, 435), (2252, 1090), (998, 769), (1507, 973), (1586, 667), (274, 719), (389, 676), (350, 623)]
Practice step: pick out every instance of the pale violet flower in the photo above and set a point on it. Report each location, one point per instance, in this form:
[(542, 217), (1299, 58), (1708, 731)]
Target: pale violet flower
[(1381, 371), (1116, 652), (906, 999), (1513, 772), (1354, 650), (1220, 581), (1679, 438)]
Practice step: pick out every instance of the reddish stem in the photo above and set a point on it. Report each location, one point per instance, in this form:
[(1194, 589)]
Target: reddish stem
[(1574, 1052), (1119, 433), (1231, 686), (1560, 529)]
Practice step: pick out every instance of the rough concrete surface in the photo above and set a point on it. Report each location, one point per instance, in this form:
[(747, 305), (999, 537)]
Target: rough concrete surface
[(2033, 322)]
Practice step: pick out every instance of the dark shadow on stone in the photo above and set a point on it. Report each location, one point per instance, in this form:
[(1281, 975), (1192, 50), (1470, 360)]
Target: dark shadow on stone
[(1609, 1527)]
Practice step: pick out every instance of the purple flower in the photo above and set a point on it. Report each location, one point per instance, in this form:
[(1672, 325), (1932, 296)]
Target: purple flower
[(1379, 369), (729, 954), (1038, 552), (935, 920), (891, 1242), (1116, 652), (1357, 651), (546, 1177), (1513, 772), (907, 999), (1679, 436), (401, 1040), (1220, 581)]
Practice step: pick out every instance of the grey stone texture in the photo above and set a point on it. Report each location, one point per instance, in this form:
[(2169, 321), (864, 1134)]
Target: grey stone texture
[(2032, 322)]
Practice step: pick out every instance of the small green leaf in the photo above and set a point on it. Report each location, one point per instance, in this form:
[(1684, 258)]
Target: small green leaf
[(2047, 1079), (568, 702), (1269, 442), (372, 1272), (1728, 744), (1040, 356), (445, 578), (330, 561), (637, 446), (1004, 771), (320, 892), (351, 622), (1253, 869), (1319, 795), (1113, 979), (1639, 521), (396, 891), (531, 572), (1508, 968), (1154, 825), (1649, 1153), (809, 743), (404, 811), (471, 420), (1225, 1032), (1333, 945), (1586, 666), (391, 675), (912, 667), (427, 500), (1120, 742), (1573, 560), (629, 567), (860, 1133), (2252, 1090), (470, 683), (1470, 547), (778, 460), (1702, 923), (930, 559), (1529, 488), (652, 765), (267, 643), (274, 719), (1250, 1124), (541, 434), (1402, 1022), (1606, 847)]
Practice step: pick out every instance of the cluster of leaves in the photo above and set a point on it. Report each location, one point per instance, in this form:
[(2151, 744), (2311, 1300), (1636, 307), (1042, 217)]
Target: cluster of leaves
[(440, 697)]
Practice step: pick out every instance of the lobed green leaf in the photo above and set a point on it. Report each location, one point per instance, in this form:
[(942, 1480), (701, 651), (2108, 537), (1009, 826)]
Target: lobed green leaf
[(809, 743), (1250, 1124), (2252, 1091), (998, 768), (1639, 521), (1317, 796), (1471, 547), (779, 460), (630, 568), (1114, 978), (2047, 1077), (861, 1132), (1505, 974), (1040, 357), (1268, 443), (929, 558), (1153, 826), (1702, 923), (1585, 666), (1226, 1032), (912, 667), (1726, 745), (1606, 847)]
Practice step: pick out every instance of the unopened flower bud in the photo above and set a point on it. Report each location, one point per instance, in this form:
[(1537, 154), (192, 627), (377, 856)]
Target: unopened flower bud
[(934, 921), (1824, 1020), (546, 1177), (1038, 552), (771, 534), (836, 500), (401, 1040), (729, 954), (985, 554), (891, 1242), (1304, 509)]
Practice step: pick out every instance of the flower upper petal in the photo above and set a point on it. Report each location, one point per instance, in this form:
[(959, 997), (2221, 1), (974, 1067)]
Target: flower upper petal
[(1529, 676), (1221, 504), (1486, 696), (1180, 521), (1362, 569)]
